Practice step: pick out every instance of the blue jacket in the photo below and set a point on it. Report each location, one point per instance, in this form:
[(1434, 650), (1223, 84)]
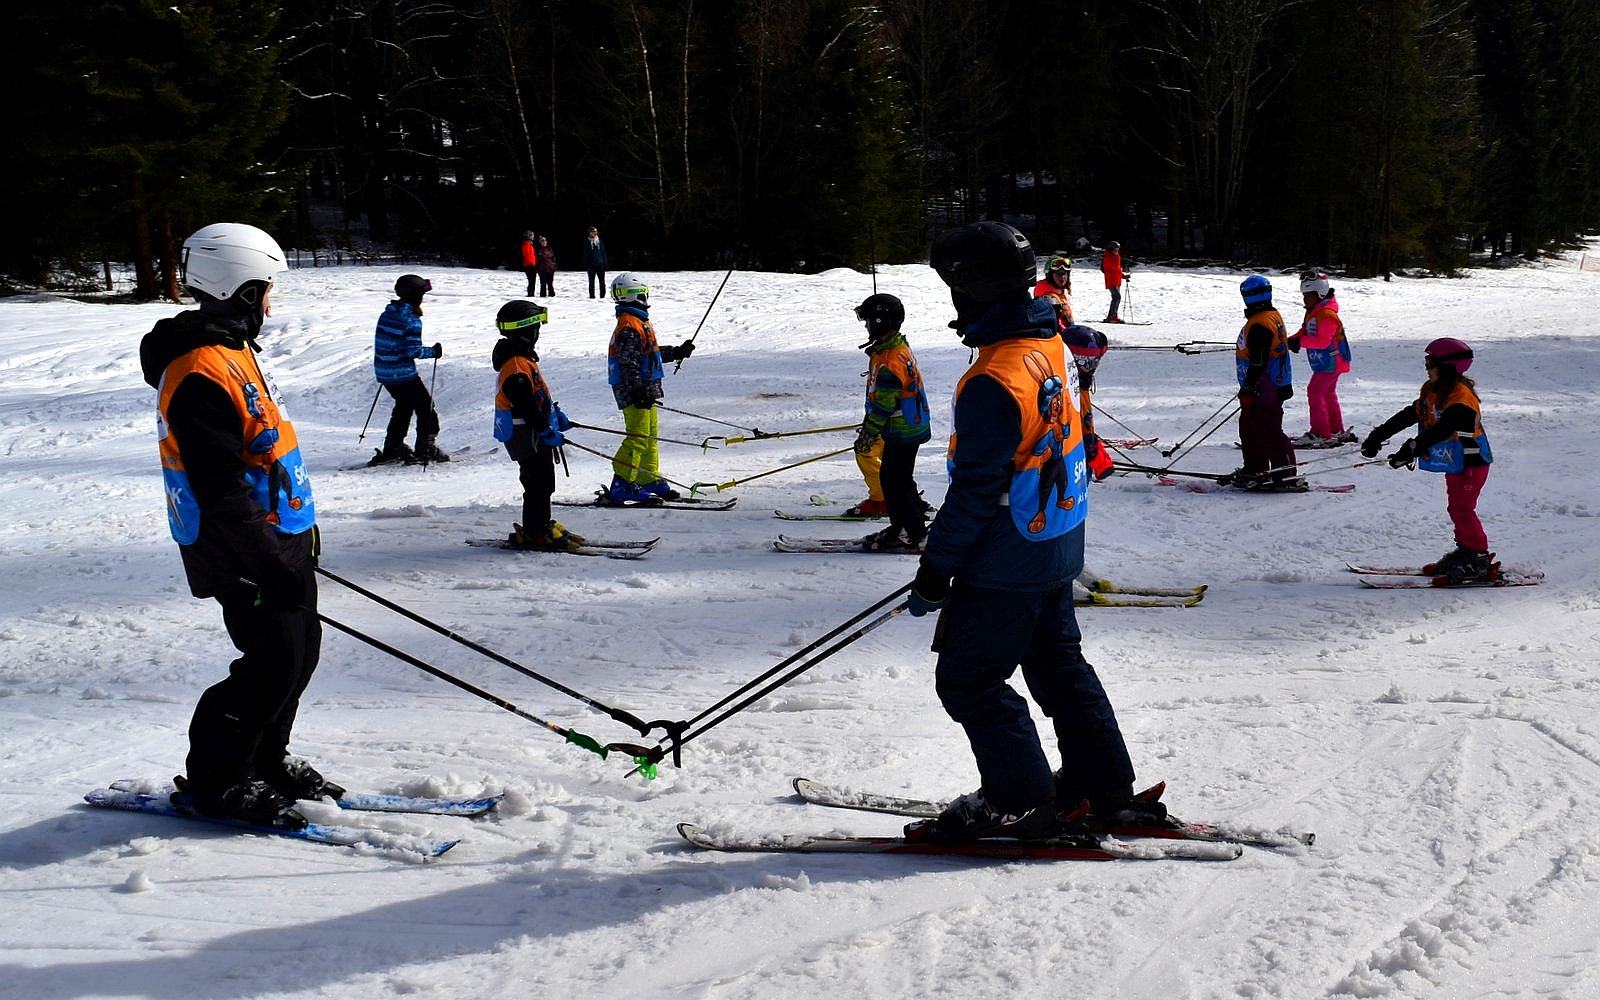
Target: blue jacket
[(594, 255), (973, 538), (398, 344)]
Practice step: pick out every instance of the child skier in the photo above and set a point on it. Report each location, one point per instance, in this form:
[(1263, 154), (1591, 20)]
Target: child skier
[(1266, 382), (896, 422), (1056, 285), (1328, 355), (529, 425), (396, 346), (1451, 441), (636, 364)]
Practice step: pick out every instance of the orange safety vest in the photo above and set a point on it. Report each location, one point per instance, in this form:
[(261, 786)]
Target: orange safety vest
[(504, 423), (274, 471), (1450, 454), (1049, 493), (910, 417), (1046, 289)]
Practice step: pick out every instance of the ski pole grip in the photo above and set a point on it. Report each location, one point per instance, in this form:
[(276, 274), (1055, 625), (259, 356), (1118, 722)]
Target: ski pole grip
[(587, 742), (633, 721)]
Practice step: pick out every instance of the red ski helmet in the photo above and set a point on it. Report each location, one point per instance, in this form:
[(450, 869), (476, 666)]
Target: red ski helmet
[(1452, 352)]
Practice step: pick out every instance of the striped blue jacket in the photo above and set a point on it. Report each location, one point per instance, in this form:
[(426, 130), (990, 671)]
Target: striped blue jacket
[(398, 344)]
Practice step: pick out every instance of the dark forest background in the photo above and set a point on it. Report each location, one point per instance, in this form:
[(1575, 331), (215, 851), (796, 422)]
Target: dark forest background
[(1365, 135)]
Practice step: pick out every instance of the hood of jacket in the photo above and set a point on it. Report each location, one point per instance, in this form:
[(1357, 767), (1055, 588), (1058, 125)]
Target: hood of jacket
[(176, 336), (507, 348), (1007, 319)]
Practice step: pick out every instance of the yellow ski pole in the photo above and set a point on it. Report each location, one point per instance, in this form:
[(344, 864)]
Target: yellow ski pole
[(730, 484)]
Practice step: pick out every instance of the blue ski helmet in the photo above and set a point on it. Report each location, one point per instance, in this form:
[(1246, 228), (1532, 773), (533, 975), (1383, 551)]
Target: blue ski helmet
[(1256, 290)]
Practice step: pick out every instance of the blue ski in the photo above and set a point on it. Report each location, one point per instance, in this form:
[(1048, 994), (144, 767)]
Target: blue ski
[(320, 833), (355, 801)]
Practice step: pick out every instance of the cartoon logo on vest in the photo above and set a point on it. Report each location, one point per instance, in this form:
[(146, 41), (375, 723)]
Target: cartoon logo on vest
[(1053, 476)]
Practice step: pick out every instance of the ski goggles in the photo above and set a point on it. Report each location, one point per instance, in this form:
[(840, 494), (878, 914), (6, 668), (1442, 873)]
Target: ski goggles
[(630, 291), (1060, 264), (538, 318)]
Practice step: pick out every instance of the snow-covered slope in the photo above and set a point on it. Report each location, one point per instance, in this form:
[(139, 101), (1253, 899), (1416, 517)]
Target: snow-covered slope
[(1443, 745)]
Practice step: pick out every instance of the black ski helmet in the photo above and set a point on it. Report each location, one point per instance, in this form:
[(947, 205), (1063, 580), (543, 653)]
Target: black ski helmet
[(883, 313), (984, 262), (521, 319), (1114, 246), (412, 287)]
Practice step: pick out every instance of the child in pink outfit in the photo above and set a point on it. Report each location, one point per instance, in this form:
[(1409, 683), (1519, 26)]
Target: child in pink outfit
[(1328, 354)]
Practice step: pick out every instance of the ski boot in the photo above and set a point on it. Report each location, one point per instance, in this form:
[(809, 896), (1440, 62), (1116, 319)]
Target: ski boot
[(1464, 565), (893, 539), (391, 453), (428, 452), (1310, 440), (622, 491), (971, 817), (869, 508), (249, 801), (661, 488), (294, 778), (541, 541), (1346, 437)]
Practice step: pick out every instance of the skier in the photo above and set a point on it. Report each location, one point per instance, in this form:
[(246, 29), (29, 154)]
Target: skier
[(1056, 285), (1451, 441), (896, 423), (1328, 355), (1087, 346), (1266, 381), (1001, 573), (1115, 275), (594, 260), (396, 346), (636, 364), (239, 505), (530, 263), (546, 268), (529, 425)]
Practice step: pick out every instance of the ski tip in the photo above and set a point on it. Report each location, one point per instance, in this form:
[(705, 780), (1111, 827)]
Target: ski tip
[(800, 785)]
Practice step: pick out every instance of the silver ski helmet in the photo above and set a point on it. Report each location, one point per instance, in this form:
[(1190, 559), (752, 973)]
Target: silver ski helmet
[(629, 287)]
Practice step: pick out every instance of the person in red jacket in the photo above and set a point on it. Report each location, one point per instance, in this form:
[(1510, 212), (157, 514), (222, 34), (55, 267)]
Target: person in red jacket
[(1115, 274), (530, 263)]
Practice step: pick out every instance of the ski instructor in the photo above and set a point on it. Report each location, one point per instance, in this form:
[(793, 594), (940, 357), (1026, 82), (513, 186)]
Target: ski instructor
[(1001, 555), (239, 506)]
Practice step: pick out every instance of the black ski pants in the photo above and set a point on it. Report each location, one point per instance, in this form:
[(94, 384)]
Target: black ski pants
[(538, 475), (243, 721), (897, 476), (410, 396)]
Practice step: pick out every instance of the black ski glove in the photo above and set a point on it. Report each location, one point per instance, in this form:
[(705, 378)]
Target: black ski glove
[(1405, 456), (864, 441), (929, 591), (438, 351), (1371, 446)]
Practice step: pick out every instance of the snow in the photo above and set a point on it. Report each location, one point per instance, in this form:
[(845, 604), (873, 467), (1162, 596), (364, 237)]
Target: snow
[(1444, 746)]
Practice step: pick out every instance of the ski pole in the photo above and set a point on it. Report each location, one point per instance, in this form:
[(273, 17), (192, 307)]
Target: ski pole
[(570, 735), (872, 252), (712, 420), (1204, 347), (1167, 452), (1151, 470), (432, 381), (635, 468), (764, 436), (370, 411), (644, 437), (621, 715), (1219, 425), (713, 302), (730, 484), (790, 660), (1101, 410)]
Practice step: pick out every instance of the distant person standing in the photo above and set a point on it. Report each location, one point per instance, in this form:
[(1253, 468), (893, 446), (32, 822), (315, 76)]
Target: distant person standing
[(594, 259), (1115, 275), (546, 268), (530, 263)]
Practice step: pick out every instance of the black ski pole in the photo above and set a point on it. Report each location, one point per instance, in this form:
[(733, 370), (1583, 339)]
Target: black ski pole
[(757, 695), (713, 302), (1167, 452), (872, 252), (1219, 425), (370, 411), (713, 420), (790, 659), (621, 715), (570, 735)]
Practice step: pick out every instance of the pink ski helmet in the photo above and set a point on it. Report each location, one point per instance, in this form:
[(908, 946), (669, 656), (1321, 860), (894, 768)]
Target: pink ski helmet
[(1452, 352)]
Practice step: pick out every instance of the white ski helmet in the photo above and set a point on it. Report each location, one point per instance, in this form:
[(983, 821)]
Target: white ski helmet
[(629, 287), (223, 257), (1316, 282)]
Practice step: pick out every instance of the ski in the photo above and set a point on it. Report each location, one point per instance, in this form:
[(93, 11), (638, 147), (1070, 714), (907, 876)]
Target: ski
[(319, 833), (783, 543), (355, 801), (1100, 585), (788, 516), (600, 502), (1430, 569), (459, 455), (1503, 578), (603, 551), (1068, 848), (1215, 487), (1092, 599), (1171, 828), (1130, 443)]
